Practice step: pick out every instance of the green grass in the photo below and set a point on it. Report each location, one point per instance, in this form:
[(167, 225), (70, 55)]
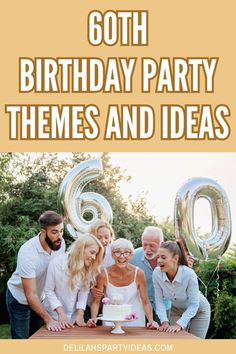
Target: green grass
[(5, 331)]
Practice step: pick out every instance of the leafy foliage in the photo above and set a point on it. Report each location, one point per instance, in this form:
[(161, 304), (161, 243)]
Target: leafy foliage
[(29, 186), (224, 316), (220, 283)]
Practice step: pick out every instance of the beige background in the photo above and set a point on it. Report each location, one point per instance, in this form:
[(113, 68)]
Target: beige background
[(178, 346), (176, 29)]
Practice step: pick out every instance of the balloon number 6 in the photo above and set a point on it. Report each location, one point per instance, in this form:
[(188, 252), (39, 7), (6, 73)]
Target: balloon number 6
[(74, 204)]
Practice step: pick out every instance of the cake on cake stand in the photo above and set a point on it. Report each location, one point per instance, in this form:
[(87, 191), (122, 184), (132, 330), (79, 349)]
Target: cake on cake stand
[(117, 324)]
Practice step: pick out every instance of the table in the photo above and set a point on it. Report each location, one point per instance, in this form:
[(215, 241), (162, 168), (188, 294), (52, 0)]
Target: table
[(102, 332)]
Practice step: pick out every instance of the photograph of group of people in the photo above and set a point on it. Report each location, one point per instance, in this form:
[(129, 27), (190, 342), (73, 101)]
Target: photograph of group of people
[(61, 288)]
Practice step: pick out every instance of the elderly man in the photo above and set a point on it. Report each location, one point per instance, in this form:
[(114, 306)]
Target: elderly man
[(25, 287), (145, 257)]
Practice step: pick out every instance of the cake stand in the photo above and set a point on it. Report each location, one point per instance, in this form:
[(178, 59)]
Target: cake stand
[(117, 324)]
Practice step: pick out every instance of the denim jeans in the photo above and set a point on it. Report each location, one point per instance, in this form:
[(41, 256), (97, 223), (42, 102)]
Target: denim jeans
[(24, 322)]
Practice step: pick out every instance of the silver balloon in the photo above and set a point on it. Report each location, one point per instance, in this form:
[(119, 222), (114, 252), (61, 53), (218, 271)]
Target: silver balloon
[(219, 238), (74, 204)]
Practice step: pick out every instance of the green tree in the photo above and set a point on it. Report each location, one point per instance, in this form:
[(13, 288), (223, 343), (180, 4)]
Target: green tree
[(30, 184)]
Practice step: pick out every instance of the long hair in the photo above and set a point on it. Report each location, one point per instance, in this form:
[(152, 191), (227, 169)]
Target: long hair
[(176, 248), (98, 224), (76, 264)]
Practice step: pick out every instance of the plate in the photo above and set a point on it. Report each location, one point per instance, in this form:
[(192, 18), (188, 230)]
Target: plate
[(117, 329)]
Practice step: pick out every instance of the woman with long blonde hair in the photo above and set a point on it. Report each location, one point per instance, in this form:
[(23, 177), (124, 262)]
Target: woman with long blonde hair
[(69, 278)]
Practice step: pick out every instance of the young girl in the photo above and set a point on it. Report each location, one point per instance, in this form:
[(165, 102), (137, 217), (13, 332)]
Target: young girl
[(174, 282), (69, 278)]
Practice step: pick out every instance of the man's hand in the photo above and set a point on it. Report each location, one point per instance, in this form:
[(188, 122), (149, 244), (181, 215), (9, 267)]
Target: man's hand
[(53, 325)]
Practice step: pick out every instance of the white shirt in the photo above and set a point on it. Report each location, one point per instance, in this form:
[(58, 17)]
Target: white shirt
[(32, 262), (107, 260), (183, 292), (58, 292)]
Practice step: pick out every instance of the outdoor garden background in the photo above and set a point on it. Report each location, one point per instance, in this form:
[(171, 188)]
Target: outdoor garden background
[(29, 185)]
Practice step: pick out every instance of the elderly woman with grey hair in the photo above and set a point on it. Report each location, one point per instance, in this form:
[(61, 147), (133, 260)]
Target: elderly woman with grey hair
[(127, 281)]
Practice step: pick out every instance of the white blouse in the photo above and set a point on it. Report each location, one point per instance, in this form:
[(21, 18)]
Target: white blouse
[(58, 292), (107, 260), (183, 292)]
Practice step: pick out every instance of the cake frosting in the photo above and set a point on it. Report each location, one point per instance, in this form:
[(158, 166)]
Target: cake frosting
[(115, 309), (116, 312)]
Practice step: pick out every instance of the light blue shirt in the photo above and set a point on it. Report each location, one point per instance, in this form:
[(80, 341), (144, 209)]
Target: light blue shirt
[(140, 261), (183, 292)]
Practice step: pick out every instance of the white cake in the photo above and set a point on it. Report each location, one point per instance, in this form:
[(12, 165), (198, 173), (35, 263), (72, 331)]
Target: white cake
[(116, 312)]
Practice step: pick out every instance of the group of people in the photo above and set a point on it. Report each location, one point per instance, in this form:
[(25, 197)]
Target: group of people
[(62, 289)]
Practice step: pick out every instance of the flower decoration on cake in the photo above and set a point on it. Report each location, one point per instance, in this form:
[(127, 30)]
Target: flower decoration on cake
[(131, 316), (106, 301)]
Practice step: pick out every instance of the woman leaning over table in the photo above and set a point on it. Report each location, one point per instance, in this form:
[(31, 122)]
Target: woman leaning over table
[(127, 281), (69, 278), (176, 283)]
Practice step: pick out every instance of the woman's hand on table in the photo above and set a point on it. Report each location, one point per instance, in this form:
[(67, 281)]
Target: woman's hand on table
[(91, 323), (80, 323), (153, 325), (174, 328), (79, 320), (164, 326), (64, 322)]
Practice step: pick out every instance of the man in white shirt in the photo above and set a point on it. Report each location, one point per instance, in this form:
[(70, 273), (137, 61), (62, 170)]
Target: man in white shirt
[(25, 287)]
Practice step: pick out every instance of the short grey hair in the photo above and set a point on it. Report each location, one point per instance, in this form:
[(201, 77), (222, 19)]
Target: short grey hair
[(122, 243), (154, 230)]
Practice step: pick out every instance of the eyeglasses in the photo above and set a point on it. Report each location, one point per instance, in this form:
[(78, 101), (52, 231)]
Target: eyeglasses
[(125, 254)]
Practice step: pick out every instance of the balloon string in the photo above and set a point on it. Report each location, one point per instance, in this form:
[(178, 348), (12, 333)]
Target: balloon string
[(205, 286), (217, 279)]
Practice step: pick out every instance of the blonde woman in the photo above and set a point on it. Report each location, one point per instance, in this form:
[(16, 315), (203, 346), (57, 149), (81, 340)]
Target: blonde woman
[(69, 278), (104, 232)]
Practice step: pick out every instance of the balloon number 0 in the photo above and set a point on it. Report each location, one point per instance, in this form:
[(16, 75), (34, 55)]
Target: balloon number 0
[(74, 204), (218, 240)]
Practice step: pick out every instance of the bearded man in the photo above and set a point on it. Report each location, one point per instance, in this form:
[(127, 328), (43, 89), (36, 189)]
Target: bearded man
[(24, 294)]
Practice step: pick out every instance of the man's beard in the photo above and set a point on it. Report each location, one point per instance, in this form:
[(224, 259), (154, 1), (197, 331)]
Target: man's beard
[(56, 245), (152, 257)]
